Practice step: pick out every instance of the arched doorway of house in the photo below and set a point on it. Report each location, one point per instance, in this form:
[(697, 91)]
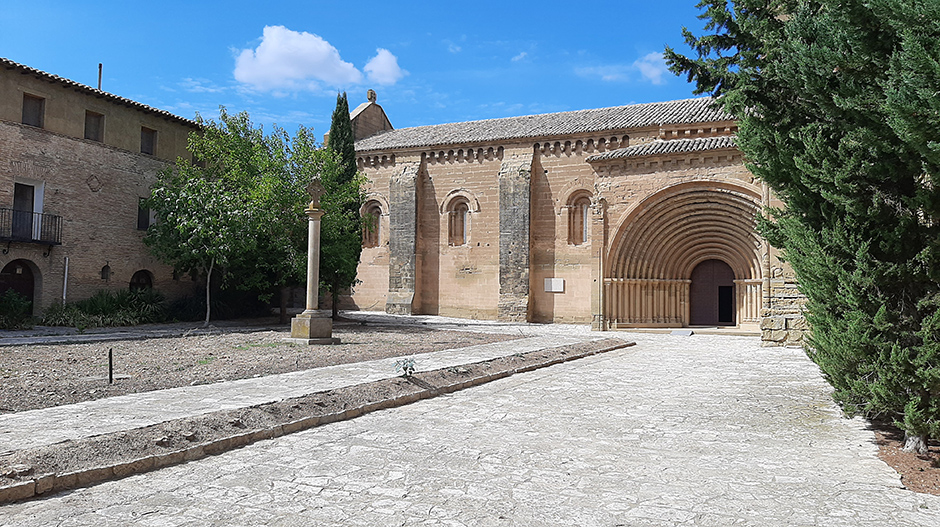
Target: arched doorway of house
[(18, 276), (711, 294), (141, 280)]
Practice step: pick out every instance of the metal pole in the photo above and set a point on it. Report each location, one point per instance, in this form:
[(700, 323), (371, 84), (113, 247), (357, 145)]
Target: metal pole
[(110, 366), (65, 280)]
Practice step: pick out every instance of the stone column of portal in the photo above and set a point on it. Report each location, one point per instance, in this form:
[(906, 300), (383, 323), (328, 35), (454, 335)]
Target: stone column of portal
[(313, 326)]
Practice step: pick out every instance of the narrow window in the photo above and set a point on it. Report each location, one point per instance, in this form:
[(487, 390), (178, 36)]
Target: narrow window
[(148, 140), (145, 216), (33, 110), (459, 222), (579, 220), (371, 236), (94, 126)]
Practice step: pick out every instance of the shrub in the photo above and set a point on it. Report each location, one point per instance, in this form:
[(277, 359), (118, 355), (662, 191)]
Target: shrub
[(109, 308), (16, 311)]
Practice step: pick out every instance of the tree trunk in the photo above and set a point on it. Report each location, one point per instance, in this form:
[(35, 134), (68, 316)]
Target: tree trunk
[(915, 443), (285, 293), (208, 285), (334, 296)]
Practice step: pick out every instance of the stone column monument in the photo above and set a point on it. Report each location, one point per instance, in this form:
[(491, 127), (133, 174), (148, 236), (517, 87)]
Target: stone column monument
[(313, 326)]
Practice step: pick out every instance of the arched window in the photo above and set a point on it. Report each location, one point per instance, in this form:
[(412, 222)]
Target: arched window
[(141, 280), (371, 234), (579, 219), (458, 222)]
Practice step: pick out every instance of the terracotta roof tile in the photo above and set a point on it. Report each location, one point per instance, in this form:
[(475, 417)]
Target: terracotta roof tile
[(548, 125), (673, 146), (11, 65)]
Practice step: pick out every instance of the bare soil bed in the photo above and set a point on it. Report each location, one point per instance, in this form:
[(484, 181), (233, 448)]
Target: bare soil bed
[(919, 472), (40, 376)]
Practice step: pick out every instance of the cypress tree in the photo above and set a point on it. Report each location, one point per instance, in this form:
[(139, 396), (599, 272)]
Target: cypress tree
[(341, 227), (341, 139), (839, 114)]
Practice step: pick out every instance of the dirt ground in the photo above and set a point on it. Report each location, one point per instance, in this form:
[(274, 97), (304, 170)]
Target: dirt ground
[(40, 376), (920, 473), (50, 375)]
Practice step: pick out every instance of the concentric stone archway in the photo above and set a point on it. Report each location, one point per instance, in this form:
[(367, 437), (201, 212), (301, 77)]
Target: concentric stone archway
[(660, 241)]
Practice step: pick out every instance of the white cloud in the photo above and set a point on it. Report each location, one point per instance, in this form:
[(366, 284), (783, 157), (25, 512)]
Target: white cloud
[(520, 56), (610, 73), (291, 60), (200, 86), (383, 68), (652, 67)]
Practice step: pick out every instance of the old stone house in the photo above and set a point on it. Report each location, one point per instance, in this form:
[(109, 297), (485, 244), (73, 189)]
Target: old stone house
[(634, 216), (75, 162)]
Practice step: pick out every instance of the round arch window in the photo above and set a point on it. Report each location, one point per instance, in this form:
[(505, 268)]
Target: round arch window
[(141, 280)]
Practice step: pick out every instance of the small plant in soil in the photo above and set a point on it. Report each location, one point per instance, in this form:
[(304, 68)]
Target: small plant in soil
[(406, 367)]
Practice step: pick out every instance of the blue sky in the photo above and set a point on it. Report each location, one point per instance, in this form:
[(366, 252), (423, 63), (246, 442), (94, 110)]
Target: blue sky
[(429, 62)]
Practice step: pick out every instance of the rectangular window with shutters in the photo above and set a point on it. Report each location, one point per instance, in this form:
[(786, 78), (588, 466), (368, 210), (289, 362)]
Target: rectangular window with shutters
[(94, 126), (33, 110), (148, 141)]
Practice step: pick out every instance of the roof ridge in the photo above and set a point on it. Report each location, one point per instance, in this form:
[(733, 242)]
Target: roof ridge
[(669, 146), (572, 122), (11, 64), (566, 112)]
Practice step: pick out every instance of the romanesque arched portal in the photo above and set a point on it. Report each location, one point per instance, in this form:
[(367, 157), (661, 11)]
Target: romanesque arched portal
[(663, 238)]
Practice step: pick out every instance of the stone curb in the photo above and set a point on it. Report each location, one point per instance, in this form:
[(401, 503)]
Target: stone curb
[(50, 483)]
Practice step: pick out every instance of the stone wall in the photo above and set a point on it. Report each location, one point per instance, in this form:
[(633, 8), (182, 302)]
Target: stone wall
[(782, 320), (95, 189), (514, 205), (402, 236)]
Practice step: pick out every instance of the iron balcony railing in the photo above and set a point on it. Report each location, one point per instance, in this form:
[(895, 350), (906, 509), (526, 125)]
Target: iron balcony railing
[(30, 227)]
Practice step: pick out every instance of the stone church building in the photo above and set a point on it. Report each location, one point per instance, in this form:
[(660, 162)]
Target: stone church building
[(633, 216)]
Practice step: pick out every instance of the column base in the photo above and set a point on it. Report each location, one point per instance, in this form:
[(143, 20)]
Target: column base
[(312, 327)]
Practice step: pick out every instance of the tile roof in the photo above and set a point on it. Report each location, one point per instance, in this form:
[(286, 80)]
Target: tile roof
[(11, 65), (672, 146), (686, 111)]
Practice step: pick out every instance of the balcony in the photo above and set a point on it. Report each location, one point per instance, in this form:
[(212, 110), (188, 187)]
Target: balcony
[(30, 227)]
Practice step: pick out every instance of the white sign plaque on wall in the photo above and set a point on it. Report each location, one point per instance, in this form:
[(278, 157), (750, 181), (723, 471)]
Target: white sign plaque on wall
[(554, 285)]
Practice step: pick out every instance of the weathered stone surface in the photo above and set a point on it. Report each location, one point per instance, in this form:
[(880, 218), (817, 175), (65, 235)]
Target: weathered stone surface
[(402, 240), (514, 205), (644, 442)]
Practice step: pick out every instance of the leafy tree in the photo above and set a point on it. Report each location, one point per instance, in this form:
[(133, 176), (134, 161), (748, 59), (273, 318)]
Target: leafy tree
[(839, 113), (341, 230), (239, 210)]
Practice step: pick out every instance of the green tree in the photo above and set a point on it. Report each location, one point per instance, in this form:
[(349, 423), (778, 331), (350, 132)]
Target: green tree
[(342, 141), (839, 113), (239, 210), (341, 229), (200, 224)]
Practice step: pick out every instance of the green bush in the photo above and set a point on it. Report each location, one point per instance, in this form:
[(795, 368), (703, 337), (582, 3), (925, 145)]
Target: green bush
[(109, 308), (16, 311)]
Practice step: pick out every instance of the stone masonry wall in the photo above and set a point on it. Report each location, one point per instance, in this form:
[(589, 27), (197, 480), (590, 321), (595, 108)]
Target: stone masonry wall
[(95, 189), (402, 232), (514, 203)]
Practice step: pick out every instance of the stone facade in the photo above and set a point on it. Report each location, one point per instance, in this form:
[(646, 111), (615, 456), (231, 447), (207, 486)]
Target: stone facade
[(88, 189), (597, 217)]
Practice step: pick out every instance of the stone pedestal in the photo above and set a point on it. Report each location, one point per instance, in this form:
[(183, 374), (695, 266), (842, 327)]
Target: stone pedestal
[(312, 327)]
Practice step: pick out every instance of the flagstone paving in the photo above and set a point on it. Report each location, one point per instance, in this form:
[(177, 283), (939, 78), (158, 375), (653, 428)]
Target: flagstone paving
[(699, 430)]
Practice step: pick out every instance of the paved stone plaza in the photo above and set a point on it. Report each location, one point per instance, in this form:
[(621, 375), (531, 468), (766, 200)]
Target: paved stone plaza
[(700, 430)]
